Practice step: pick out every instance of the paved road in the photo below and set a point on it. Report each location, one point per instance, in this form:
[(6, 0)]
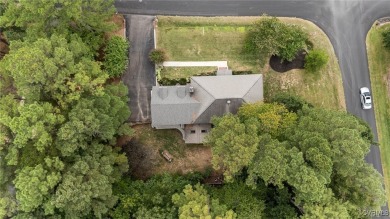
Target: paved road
[(346, 23), (139, 76)]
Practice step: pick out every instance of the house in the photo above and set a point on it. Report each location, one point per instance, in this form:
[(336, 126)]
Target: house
[(189, 108)]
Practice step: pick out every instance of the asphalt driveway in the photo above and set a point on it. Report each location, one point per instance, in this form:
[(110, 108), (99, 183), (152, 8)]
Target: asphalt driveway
[(139, 76)]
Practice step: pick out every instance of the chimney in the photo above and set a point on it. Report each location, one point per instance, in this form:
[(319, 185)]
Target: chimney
[(191, 90)]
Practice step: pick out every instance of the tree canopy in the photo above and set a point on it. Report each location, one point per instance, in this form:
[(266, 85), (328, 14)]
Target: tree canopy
[(44, 18), (59, 117), (270, 36), (194, 202), (317, 154)]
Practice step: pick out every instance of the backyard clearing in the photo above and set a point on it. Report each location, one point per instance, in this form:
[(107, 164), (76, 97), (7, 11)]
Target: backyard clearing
[(378, 61), (144, 153), (221, 38)]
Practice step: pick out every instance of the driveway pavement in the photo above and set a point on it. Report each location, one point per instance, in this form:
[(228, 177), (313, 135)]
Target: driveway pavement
[(139, 76)]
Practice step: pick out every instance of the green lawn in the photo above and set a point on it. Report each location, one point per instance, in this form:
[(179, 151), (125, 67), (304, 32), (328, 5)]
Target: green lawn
[(184, 72), (221, 39), (378, 59)]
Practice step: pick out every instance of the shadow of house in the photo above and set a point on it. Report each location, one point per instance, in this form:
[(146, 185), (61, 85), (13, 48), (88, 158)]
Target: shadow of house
[(189, 108)]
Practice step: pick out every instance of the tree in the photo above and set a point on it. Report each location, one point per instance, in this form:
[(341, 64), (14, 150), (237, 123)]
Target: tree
[(269, 36), (330, 207), (152, 197), (293, 40), (194, 202), (34, 184), (61, 72), (86, 186), (95, 118), (116, 56), (272, 118), (233, 144), (269, 164), (243, 200), (317, 163), (43, 18), (315, 60)]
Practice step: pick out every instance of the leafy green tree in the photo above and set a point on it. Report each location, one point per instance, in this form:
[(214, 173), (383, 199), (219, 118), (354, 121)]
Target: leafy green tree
[(270, 164), (30, 129), (272, 118), (43, 18), (52, 70), (194, 202), (269, 36), (293, 40), (243, 200), (315, 60), (116, 56), (34, 184), (149, 199), (330, 207), (233, 144), (318, 163), (95, 118), (86, 186)]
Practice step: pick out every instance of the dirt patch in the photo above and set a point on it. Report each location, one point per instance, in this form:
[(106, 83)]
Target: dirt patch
[(119, 21), (278, 65), (144, 153)]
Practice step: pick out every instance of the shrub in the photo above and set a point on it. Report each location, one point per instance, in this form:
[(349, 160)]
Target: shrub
[(292, 102), (315, 60), (386, 38), (116, 57), (157, 56)]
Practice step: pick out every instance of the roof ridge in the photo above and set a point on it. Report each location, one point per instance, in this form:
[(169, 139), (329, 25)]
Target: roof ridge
[(201, 112), (192, 78), (254, 83)]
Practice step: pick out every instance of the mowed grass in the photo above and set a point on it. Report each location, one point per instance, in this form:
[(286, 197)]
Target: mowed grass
[(184, 72), (379, 65), (222, 38)]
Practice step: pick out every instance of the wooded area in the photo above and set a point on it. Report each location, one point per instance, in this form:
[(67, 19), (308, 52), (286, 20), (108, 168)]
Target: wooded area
[(60, 119)]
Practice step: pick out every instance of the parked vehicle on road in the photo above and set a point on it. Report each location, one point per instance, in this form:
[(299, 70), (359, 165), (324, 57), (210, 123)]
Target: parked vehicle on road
[(365, 98)]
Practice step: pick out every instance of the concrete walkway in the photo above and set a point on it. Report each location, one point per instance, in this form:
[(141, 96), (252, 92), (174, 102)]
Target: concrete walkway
[(219, 64)]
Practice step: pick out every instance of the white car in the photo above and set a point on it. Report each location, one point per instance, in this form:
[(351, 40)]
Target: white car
[(365, 98)]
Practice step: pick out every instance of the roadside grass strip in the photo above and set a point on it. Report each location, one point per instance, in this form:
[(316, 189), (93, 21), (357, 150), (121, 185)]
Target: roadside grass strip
[(379, 65)]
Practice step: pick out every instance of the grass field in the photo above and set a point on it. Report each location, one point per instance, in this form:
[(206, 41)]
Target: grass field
[(378, 59), (221, 39)]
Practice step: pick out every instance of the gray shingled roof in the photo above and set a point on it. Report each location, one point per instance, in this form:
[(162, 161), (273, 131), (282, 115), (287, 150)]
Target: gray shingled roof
[(173, 105)]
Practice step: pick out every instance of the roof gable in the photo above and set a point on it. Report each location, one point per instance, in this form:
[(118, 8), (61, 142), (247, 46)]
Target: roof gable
[(227, 86)]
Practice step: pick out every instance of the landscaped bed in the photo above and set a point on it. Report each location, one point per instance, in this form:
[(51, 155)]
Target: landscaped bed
[(222, 38), (378, 59)]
